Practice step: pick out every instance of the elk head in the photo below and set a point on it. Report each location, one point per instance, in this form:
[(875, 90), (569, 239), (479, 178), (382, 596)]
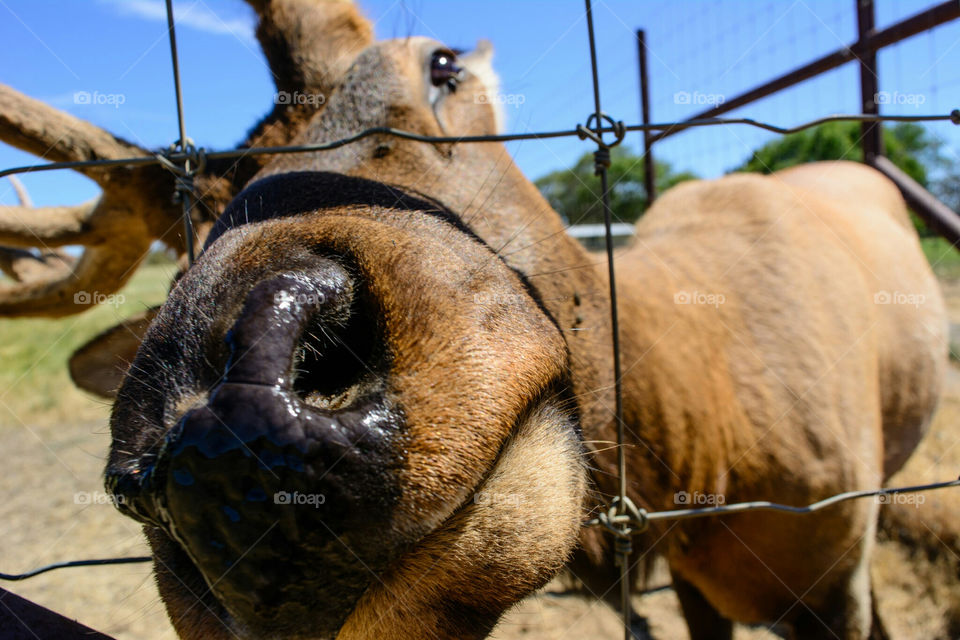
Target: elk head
[(353, 416)]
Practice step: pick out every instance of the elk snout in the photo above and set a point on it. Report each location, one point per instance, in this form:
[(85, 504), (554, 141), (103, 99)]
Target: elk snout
[(263, 487)]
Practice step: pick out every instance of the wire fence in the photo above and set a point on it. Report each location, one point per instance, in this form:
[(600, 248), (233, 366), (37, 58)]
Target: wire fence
[(622, 518), (782, 37)]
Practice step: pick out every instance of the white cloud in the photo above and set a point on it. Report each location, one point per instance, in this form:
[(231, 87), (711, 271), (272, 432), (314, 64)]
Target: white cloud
[(191, 14)]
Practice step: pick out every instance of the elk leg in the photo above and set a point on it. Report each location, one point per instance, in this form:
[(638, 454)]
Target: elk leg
[(878, 630), (703, 621), (852, 616)]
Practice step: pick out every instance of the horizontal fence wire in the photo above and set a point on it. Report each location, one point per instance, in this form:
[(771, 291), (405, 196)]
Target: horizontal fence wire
[(640, 519), (172, 158), (14, 577)]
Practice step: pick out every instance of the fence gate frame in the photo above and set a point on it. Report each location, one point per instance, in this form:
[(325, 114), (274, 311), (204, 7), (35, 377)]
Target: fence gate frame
[(938, 216)]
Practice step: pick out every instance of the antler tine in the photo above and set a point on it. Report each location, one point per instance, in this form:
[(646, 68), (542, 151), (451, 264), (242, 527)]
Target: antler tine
[(135, 207), (99, 272), (22, 265), (117, 230), (48, 226), (22, 195), (51, 134)]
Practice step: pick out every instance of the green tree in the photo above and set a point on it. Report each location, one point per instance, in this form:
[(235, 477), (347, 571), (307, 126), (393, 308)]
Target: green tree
[(907, 145), (575, 192)]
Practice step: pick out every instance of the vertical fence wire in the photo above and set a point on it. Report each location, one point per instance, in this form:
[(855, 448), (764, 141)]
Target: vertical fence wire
[(185, 181), (602, 162)]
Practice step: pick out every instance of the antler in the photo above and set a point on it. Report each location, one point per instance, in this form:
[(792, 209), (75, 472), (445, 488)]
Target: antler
[(309, 45), (116, 229), (21, 265)]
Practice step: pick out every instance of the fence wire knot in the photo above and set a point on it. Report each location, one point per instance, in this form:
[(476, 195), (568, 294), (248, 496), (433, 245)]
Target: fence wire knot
[(601, 157), (623, 548), (185, 163), (594, 131), (623, 518), (184, 160)]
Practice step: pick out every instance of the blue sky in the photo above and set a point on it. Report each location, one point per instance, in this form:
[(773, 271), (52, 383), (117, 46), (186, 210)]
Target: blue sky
[(117, 51)]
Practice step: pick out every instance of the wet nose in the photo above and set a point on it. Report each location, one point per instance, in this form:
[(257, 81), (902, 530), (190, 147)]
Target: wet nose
[(277, 502)]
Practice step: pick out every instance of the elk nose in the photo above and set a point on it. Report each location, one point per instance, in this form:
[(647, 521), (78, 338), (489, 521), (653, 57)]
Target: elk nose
[(263, 490)]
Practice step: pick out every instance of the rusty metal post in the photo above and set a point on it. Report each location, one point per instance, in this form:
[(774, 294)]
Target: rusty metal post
[(871, 132), (937, 215), (649, 167)]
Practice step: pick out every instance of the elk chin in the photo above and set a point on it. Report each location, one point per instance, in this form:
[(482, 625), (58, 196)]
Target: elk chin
[(516, 533)]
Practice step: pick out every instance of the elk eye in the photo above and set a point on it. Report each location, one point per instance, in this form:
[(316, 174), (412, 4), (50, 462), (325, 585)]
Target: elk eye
[(444, 69)]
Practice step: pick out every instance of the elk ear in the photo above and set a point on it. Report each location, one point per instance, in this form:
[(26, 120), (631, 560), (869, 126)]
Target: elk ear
[(310, 44), (100, 365), (479, 63)]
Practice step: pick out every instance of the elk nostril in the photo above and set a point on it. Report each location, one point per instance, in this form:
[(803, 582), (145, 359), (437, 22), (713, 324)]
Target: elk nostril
[(276, 313), (335, 362)]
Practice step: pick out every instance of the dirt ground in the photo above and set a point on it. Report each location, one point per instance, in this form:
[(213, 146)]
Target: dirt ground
[(52, 508)]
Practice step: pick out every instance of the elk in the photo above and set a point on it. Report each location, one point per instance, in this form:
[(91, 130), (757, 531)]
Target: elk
[(377, 404)]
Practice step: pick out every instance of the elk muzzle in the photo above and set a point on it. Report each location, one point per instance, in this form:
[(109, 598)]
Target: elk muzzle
[(264, 492)]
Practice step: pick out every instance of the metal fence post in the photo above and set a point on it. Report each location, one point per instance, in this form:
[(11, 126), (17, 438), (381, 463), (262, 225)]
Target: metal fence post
[(649, 167), (872, 132)]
